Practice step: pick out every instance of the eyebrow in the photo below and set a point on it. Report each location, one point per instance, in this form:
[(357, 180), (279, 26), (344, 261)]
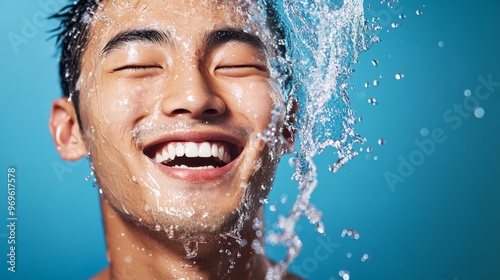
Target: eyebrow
[(219, 37), (152, 36)]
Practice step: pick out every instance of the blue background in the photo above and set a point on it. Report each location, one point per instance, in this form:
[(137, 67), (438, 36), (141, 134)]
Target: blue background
[(440, 221)]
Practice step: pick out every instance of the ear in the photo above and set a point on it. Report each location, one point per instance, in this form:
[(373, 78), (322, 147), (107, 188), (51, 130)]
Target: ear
[(288, 130), (65, 130)]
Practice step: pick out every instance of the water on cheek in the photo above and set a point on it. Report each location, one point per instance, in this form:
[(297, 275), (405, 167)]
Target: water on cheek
[(122, 109), (238, 93)]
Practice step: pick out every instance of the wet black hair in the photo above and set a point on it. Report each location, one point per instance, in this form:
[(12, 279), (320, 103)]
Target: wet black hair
[(73, 35), (72, 39)]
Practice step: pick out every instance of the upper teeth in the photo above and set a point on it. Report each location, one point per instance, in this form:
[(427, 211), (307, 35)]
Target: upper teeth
[(193, 149)]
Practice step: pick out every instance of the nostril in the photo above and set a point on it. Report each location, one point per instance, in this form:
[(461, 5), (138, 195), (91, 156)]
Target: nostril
[(180, 112), (211, 112)]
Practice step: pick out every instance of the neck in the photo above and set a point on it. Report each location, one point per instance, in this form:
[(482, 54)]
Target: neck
[(135, 252)]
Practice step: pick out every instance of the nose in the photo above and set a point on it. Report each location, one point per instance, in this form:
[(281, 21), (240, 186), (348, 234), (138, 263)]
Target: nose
[(190, 95)]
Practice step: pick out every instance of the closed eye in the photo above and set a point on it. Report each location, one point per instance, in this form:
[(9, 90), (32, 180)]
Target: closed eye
[(242, 70), (256, 66), (136, 67)]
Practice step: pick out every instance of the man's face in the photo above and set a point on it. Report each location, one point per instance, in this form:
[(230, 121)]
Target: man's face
[(174, 99)]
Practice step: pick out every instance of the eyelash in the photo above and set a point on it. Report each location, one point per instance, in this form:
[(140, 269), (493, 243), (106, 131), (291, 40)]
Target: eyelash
[(136, 67), (258, 67)]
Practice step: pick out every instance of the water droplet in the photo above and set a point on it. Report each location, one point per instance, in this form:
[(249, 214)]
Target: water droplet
[(320, 227), (257, 247), (128, 259), (191, 248), (441, 44), (365, 257), (87, 178), (479, 112), (350, 233), (381, 141), (100, 191), (157, 227), (424, 132), (344, 274), (399, 76), (292, 162), (349, 255), (394, 25), (467, 92), (402, 16), (375, 82), (375, 62), (372, 101), (369, 149), (419, 12), (367, 85), (375, 158), (272, 208)]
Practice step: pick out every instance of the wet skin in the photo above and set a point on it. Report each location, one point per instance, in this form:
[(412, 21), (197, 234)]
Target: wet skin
[(174, 97)]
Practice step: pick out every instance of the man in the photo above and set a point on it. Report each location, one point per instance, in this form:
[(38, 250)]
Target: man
[(181, 114)]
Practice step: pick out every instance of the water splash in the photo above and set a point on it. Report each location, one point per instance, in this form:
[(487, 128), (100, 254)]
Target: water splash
[(324, 39)]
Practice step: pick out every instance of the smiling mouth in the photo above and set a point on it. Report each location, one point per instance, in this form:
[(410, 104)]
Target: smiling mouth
[(193, 155)]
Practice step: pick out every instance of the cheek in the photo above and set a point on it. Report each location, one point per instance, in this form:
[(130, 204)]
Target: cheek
[(256, 101), (112, 112), (122, 104)]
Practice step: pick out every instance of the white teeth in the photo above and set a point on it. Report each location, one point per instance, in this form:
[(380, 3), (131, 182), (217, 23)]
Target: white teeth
[(215, 150), (205, 150), (171, 150), (191, 150), (179, 150), (165, 155), (158, 157), (221, 153), (197, 168)]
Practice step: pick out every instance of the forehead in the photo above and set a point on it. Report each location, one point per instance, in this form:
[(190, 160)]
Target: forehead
[(178, 17)]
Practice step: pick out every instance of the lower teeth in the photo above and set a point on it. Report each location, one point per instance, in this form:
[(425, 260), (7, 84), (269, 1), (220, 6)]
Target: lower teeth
[(196, 167)]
